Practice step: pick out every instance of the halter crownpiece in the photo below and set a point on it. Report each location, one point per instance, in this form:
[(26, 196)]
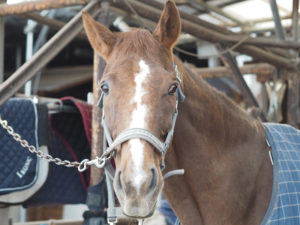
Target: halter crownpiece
[(109, 146)]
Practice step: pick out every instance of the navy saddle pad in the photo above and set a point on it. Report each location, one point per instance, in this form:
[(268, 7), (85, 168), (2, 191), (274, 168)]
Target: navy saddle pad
[(19, 167), (69, 137), (31, 181)]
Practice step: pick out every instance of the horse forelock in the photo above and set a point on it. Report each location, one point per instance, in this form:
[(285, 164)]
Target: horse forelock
[(141, 43)]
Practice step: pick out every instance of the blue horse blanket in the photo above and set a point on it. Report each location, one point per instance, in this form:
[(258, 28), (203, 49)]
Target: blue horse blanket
[(284, 207)]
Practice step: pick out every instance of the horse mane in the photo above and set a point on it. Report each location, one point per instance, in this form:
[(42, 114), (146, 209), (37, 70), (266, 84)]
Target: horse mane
[(217, 96)]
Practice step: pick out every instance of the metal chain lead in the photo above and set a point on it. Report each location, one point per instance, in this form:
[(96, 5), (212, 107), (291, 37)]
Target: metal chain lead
[(81, 166)]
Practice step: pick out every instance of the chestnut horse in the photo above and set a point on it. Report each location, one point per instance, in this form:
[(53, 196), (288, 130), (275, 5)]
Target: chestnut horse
[(228, 174)]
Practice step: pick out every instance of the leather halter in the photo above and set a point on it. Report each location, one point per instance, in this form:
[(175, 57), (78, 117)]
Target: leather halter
[(109, 146)]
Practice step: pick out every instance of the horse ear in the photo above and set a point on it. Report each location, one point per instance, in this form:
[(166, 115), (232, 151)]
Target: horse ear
[(100, 37), (168, 28)]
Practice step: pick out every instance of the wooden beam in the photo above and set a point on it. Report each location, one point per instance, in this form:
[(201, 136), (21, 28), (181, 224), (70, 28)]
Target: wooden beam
[(264, 42), (31, 6), (53, 23), (263, 71)]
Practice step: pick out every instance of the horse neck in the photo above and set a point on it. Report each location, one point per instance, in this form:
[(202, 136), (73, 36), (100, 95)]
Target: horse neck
[(224, 154), (222, 150)]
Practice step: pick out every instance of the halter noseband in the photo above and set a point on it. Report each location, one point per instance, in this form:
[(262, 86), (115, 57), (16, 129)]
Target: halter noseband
[(109, 146)]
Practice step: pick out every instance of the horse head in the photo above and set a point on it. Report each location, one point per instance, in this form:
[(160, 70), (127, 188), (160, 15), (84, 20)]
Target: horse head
[(139, 85)]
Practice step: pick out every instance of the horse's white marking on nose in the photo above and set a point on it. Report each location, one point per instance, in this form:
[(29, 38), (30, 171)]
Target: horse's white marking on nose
[(138, 121)]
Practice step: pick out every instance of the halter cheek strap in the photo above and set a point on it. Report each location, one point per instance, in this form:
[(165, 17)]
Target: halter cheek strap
[(180, 96)]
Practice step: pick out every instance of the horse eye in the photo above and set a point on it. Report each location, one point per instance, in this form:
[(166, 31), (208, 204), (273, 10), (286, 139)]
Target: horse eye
[(172, 89), (105, 88)]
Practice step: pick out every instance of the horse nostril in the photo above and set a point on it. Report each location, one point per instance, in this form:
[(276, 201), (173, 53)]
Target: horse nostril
[(153, 180)]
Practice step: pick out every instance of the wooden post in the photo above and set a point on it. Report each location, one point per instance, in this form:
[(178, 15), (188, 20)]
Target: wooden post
[(263, 71), (30, 6), (97, 132)]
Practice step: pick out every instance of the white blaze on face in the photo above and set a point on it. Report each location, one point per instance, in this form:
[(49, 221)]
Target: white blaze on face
[(138, 121)]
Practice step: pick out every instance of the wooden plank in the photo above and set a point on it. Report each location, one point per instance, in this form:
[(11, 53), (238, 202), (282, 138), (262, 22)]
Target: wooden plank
[(263, 71), (44, 212), (59, 79), (30, 6)]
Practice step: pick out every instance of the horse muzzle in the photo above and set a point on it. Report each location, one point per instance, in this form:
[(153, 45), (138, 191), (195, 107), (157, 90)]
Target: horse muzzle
[(138, 201), (138, 209)]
